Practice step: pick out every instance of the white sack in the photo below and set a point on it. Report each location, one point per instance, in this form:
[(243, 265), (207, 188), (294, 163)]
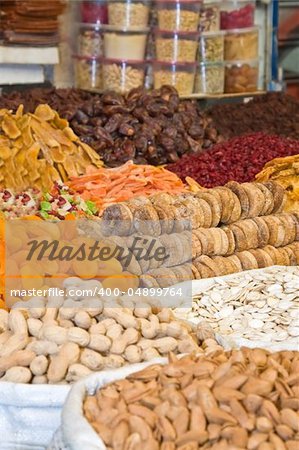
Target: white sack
[(29, 414), (75, 432)]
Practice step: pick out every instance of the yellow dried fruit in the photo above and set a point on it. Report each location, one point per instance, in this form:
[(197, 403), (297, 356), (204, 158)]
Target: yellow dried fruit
[(38, 149), (285, 171)]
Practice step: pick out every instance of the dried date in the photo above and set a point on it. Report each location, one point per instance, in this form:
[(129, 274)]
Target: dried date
[(149, 127)]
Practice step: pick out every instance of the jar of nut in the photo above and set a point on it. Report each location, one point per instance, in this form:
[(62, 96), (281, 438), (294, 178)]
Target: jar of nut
[(89, 40), (179, 15), (209, 15), (241, 76), (209, 78), (123, 75), (176, 45), (180, 75), (128, 13), (88, 72), (211, 46)]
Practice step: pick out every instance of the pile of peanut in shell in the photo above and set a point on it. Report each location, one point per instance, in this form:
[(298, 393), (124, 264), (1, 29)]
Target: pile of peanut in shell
[(61, 340), (243, 399), (261, 306)]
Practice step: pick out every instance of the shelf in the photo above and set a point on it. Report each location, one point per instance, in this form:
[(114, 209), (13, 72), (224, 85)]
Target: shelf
[(21, 74), (16, 54), (222, 96)]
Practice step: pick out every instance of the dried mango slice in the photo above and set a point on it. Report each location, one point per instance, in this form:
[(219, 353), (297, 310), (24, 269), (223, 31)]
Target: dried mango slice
[(38, 149), (5, 152), (44, 112), (9, 127), (70, 134)]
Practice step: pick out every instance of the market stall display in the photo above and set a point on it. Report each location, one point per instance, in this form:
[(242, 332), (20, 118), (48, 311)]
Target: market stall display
[(234, 228), (274, 113), (171, 31), (46, 342), (260, 306), (240, 159), (38, 149), (243, 398), (285, 172), (143, 126), (109, 186), (60, 203), (86, 173)]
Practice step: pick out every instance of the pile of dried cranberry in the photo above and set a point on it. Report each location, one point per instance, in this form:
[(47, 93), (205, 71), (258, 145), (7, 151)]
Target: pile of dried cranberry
[(239, 159)]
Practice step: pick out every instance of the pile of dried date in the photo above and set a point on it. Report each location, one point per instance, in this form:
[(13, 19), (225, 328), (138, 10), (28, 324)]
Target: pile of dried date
[(148, 127), (243, 399)]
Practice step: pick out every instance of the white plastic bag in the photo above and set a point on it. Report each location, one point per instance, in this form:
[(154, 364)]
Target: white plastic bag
[(75, 432), (29, 414)]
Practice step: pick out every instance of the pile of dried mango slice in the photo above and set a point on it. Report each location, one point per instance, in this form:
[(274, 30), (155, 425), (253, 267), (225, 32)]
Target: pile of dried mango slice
[(38, 149), (284, 171)]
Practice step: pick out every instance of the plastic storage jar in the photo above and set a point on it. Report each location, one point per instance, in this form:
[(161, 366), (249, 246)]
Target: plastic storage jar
[(128, 13), (123, 75), (180, 75), (94, 11), (125, 43), (176, 46), (209, 16), (237, 14), (180, 15), (241, 44), (241, 76), (88, 72), (209, 78), (211, 46), (89, 40)]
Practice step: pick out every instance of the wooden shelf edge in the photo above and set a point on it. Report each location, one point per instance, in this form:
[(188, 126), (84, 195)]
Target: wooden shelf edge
[(220, 96)]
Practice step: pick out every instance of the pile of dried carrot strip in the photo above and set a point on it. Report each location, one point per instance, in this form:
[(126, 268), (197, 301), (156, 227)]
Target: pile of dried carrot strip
[(106, 186)]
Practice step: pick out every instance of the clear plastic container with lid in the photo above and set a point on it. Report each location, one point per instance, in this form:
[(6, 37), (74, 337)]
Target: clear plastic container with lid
[(180, 75), (209, 78), (178, 15), (123, 75), (241, 43), (211, 46), (237, 14), (125, 43), (128, 13), (88, 72), (89, 40), (176, 45), (209, 15), (241, 76), (94, 11)]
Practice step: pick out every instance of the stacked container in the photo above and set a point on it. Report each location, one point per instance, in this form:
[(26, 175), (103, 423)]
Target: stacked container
[(210, 68), (125, 44), (241, 46), (89, 46), (176, 43)]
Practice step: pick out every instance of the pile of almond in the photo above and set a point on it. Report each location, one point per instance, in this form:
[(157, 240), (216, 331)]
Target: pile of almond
[(239, 400)]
